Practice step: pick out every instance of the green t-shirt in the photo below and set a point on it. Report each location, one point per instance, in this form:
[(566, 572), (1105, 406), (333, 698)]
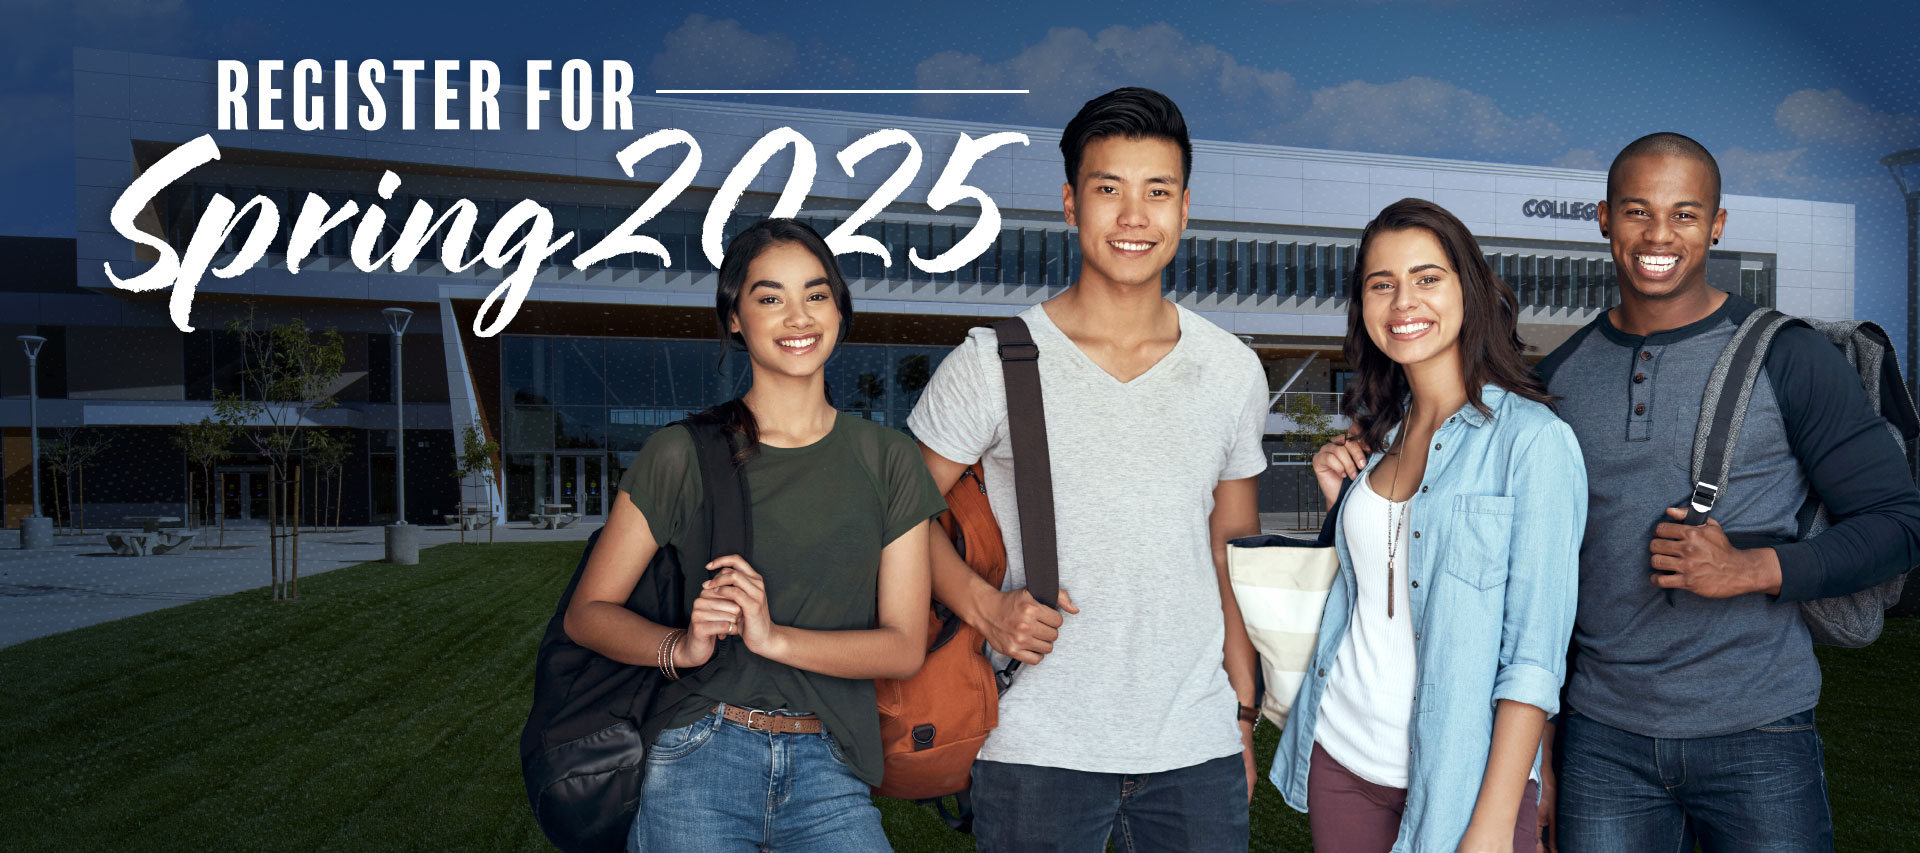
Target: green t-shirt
[(820, 516)]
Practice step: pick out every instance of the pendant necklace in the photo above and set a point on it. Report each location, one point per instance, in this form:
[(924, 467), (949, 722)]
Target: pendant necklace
[(1393, 527)]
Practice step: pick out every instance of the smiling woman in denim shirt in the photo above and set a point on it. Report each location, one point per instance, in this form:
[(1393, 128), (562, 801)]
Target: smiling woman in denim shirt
[(1444, 641)]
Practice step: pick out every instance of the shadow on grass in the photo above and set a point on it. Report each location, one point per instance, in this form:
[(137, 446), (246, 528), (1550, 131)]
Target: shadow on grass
[(383, 711)]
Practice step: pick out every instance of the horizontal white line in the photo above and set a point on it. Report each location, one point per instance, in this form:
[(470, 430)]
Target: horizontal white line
[(840, 91)]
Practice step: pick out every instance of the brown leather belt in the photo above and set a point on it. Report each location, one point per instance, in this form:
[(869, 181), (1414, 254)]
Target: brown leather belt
[(767, 721)]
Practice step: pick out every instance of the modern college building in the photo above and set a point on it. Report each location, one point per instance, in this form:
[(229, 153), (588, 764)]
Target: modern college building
[(598, 358)]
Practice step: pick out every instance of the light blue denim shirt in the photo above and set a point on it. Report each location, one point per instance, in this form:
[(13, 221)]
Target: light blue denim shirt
[(1495, 568)]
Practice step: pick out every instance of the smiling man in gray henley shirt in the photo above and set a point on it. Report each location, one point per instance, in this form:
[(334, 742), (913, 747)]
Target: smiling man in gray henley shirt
[(1690, 703)]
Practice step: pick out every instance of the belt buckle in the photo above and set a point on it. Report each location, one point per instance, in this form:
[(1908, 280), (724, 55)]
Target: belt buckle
[(765, 727)]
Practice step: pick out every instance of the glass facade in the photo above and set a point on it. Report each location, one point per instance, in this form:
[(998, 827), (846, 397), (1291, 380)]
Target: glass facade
[(1757, 286), (1026, 255), (575, 410)]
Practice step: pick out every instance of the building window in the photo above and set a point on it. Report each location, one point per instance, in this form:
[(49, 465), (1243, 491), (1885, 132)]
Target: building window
[(196, 361), (379, 368), (1056, 260), (1010, 256), (920, 237), (966, 273), (1032, 257)]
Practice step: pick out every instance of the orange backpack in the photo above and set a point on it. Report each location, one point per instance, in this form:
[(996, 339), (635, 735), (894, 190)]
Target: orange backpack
[(933, 724)]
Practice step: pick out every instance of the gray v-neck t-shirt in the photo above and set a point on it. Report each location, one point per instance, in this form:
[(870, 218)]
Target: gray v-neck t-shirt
[(1135, 683)]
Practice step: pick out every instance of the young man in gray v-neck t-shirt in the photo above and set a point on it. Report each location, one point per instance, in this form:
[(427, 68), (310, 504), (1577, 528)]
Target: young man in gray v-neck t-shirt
[(1123, 722)]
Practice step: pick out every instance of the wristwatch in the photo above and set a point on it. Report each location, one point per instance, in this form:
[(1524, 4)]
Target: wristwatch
[(1249, 714)]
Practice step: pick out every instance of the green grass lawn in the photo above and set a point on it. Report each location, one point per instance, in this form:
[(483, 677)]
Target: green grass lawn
[(383, 712)]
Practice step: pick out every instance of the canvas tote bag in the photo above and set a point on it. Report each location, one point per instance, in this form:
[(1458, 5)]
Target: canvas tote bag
[(1281, 583)]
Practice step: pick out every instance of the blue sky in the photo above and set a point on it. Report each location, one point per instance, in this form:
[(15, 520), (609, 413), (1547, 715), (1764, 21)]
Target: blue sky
[(1798, 100)]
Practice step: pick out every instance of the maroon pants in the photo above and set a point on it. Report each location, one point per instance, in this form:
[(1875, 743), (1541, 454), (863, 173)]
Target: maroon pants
[(1348, 814)]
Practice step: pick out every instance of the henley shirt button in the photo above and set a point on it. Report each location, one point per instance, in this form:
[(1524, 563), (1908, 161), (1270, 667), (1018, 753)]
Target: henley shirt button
[(1416, 534), (1639, 408), (1423, 489), (1416, 584), (1639, 378), (1436, 445), (1646, 356)]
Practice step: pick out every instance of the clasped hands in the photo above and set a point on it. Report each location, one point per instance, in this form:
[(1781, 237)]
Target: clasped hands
[(732, 602)]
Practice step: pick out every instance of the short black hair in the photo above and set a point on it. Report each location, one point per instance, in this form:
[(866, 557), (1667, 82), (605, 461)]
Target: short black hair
[(1665, 143), (1132, 112)]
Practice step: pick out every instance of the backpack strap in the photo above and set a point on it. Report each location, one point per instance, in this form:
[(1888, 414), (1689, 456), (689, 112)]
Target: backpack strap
[(729, 531), (1032, 469), (1723, 408), (729, 525)]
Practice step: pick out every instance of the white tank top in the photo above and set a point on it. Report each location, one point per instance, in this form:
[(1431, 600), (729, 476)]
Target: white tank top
[(1367, 709)]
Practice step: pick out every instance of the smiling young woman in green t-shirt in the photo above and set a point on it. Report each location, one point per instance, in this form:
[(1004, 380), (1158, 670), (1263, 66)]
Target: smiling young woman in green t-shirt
[(778, 744)]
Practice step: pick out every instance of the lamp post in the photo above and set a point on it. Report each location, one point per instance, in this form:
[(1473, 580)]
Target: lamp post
[(36, 530), (403, 543)]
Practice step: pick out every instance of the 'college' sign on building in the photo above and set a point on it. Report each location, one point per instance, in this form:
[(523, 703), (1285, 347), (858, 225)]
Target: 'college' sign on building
[(1546, 208)]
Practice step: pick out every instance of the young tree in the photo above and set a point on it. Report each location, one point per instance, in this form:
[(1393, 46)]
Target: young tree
[(68, 455), (206, 444), (1312, 426), (871, 387), (328, 456), (476, 459), (287, 373), (912, 373), (53, 455)]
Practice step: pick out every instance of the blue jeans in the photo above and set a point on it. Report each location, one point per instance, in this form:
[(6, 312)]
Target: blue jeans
[(1021, 807), (717, 785), (1759, 790)]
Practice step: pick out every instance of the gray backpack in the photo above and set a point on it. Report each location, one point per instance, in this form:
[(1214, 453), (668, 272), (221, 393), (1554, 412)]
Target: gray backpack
[(1851, 620)]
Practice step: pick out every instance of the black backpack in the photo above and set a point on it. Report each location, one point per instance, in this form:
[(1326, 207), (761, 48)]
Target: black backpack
[(583, 751)]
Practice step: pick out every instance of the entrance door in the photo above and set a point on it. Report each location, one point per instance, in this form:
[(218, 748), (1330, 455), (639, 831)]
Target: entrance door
[(243, 494), (579, 479)]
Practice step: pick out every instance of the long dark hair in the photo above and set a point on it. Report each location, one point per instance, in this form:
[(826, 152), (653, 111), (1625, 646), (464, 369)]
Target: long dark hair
[(741, 252), (1490, 345)]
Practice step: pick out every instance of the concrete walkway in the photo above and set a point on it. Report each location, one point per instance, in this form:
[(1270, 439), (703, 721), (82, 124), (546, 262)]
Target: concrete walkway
[(81, 582)]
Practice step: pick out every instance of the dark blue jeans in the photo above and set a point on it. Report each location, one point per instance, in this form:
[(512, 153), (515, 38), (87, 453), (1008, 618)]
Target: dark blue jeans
[(1759, 790), (1021, 807)]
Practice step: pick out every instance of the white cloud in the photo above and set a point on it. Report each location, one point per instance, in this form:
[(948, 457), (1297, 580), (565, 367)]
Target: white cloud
[(1417, 115), (1581, 158), (1235, 100), (1765, 172), (703, 52), (1069, 66), (1812, 115)]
